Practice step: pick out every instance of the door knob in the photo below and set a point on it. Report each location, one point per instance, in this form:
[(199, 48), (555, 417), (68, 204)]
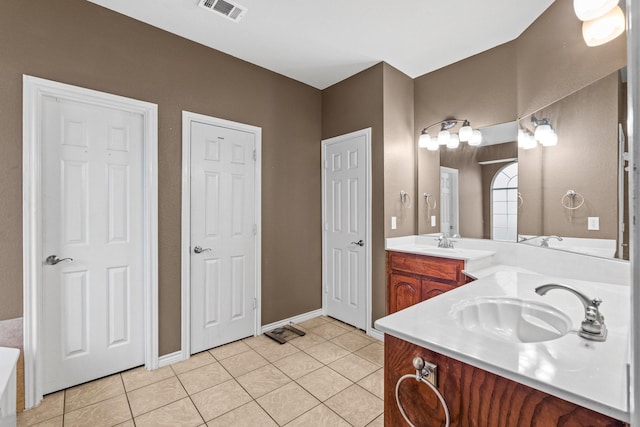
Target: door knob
[(359, 243), (53, 260), (199, 249)]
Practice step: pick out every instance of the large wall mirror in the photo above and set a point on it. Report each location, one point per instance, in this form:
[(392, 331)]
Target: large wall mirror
[(574, 190)]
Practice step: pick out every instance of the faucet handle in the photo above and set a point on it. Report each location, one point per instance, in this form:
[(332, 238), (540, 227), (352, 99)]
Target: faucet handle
[(596, 302)]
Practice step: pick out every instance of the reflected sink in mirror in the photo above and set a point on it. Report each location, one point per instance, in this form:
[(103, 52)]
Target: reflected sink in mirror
[(511, 319)]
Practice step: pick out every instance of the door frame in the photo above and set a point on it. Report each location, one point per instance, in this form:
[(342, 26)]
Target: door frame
[(368, 234), (34, 89), (185, 263), (456, 205)]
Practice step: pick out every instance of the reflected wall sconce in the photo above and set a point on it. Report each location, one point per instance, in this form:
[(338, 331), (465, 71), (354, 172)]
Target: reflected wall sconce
[(445, 137), (543, 133), (603, 20)]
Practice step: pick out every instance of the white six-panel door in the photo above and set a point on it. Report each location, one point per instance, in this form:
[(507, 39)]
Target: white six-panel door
[(223, 235), (448, 201), (345, 228), (92, 192)]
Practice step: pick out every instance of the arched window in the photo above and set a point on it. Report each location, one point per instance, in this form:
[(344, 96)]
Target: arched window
[(504, 204)]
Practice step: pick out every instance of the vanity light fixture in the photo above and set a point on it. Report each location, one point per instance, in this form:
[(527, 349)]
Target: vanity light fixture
[(544, 132), (603, 20), (526, 139), (587, 10), (451, 140)]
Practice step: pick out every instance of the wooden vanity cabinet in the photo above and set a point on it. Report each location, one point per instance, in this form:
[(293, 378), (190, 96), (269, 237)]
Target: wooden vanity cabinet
[(476, 398), (414, 278)]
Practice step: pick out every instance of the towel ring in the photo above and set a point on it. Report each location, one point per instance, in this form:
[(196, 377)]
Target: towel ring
[(428, 198), (405, 199), (433, 388), (569, 197), (520, 200)]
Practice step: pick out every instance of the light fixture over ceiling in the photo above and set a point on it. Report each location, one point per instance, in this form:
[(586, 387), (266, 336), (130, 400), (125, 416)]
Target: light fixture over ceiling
[(466, 133), (603, 20)]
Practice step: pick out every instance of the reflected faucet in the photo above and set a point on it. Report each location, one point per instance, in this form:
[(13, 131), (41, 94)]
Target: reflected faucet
[(593, 327), (444, 242), (545, 240)]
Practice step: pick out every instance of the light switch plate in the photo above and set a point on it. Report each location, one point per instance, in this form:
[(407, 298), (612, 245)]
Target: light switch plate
[(433, 220), (593, 223), (394, 223)]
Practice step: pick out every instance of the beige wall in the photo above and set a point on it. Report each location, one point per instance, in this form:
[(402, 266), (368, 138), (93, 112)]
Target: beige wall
[(585, 160), (76, 42), (479, 88), (399, 153), (547, 62), (553, 60), (353, 104), (381, 98)]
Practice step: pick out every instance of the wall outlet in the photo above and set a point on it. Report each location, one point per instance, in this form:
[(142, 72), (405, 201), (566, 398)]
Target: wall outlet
[(394, 223), (433, 220), (593, 223)]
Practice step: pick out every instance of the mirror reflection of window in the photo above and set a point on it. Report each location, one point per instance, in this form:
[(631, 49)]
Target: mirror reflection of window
[(504, 204)]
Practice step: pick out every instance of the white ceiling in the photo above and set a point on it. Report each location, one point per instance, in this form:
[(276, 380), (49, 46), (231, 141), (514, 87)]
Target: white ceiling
[(323, 42)]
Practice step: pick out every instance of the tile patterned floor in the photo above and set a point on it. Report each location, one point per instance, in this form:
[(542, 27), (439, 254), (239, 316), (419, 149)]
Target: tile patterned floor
[(332, 376)]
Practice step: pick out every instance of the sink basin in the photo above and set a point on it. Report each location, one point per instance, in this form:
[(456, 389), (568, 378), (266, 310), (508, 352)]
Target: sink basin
[(511, 319)]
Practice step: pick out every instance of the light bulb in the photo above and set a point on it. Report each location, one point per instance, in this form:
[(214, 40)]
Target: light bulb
[(423, 141), (530, 142), (587, 10), (605, 28), (454, 141), (466, 132), (542, 132), (443, 137), (433, 145), (550, 139), (522, 138), (476, 138)]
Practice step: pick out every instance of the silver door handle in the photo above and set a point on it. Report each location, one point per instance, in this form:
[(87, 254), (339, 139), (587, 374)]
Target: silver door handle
[(53, 260), (199, 249), (359, 243)]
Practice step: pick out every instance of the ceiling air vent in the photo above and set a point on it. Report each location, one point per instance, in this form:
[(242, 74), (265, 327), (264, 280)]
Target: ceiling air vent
[(232, 11)]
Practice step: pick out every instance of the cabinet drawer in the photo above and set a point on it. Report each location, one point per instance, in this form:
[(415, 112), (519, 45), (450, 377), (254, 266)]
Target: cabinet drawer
[(439, 268)]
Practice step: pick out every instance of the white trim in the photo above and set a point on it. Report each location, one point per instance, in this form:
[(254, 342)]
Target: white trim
[(170, 359), (368, 257), (633, 134), (295, 319), (33, 90), (185, 257), (377, 334)]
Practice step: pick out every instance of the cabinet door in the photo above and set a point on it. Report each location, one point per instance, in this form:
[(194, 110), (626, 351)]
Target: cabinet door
[(430, 289), (404, 291)]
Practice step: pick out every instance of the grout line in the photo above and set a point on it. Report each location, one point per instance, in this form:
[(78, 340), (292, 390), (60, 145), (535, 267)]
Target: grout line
[(326, 320), (191, 400), (126, 395)]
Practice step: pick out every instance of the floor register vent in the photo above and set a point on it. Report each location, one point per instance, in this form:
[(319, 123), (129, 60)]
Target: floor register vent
[(229, 10)]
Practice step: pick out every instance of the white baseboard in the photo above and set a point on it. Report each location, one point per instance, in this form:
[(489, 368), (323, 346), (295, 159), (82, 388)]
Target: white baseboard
[(374, 333), (170, 358), (295, 319)]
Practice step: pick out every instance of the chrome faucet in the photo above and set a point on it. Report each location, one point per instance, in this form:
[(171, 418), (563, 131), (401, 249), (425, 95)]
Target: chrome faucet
[(593, 327), (545, 240), (444, 242)]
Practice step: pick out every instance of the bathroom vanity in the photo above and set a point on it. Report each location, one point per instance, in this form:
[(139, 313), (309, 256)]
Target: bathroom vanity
[(414, 278), (474, 396), (505, 355)]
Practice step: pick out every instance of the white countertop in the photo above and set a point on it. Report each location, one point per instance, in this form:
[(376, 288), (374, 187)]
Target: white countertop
[(590, 374), (8, 359)]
